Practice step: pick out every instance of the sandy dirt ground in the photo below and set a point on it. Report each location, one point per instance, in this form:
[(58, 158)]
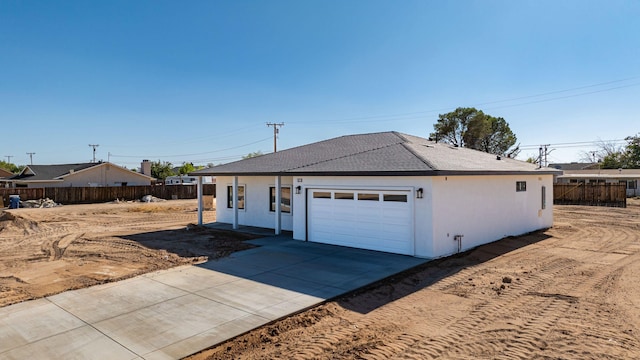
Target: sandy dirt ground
[(571, 292), (47, 251)]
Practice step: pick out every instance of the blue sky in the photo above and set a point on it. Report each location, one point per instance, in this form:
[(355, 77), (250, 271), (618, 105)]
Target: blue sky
[(197, 81)]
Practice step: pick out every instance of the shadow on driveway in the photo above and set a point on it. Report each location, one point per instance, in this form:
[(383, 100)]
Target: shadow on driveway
[(323, 271)]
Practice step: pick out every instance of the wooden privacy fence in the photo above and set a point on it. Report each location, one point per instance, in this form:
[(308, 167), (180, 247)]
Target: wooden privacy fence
[(590, 194), (88, 195)]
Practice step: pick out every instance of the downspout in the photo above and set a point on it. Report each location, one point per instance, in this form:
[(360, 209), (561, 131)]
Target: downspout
[(458, 238)]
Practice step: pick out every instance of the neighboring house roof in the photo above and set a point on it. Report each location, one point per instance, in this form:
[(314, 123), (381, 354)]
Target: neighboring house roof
[(575, 166), (5, 173), (57, 172), (50, 172), (601, 174), (386, 153)]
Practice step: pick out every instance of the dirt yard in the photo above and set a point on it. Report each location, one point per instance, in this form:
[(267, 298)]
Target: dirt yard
[(571, 292), (47, 251)]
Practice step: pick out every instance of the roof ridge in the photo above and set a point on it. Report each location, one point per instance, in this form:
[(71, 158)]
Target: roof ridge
[(342, 157), (425, 161), (406, 143)]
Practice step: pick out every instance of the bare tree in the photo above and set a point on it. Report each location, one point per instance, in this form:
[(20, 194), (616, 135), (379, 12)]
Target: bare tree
[(604, 149)]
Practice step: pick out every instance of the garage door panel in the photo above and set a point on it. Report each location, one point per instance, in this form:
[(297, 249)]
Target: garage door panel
[(362, 219), (368, 232), (396, 216)]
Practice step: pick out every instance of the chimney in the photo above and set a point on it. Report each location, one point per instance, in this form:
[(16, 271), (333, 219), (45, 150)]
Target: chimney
[(145, 167)]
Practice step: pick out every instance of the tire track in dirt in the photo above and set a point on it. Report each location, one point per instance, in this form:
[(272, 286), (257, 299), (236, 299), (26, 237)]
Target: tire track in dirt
[(542, 313), (450, 343), (414, 345)]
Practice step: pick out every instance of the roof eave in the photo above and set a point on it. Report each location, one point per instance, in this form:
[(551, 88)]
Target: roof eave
[(35, 181), (385, 173)]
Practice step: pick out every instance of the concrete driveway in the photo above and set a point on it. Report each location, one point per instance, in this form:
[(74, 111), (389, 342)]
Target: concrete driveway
[(173, 313)]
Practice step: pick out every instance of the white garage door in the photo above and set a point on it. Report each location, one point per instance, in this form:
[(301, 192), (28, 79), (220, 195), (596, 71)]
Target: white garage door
[(375, 220)]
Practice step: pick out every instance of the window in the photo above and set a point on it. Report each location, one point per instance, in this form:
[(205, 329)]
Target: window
[(240, 197), (521, 186), (285, 199), (544, 197), (632, 184), (394, 197), (369, 197), (343, 196), (322, 195)]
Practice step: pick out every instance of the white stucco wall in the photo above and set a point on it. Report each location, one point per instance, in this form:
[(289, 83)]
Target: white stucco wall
[(487, 208), (481, 208), (256, 211)]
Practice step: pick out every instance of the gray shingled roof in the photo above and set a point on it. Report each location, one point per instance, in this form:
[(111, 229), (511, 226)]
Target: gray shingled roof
[(575, 166), (387, 153), (50, 172)]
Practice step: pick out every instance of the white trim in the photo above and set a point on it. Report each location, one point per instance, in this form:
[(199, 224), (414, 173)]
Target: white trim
[(291, 193), (278, 207), (200, 200), (226, 205)]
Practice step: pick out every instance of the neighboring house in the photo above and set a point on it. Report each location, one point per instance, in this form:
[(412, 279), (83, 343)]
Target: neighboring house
[(187, 180), (386, 191), (629, 177), (5, 173), (575, 166), (77, 175)]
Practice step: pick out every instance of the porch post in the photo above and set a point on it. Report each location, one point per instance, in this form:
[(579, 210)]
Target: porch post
[(200, 200), (278, 199), (234, 201)]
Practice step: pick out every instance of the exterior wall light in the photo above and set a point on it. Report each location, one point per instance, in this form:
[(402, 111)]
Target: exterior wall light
[(298, 189), (419, 193)]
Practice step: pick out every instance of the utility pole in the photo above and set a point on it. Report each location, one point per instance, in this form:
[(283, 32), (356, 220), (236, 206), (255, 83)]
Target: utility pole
[(540, 157), (31, 156), (544, 151), (94, 146), (8, 158), (546, 163), (275, 133)]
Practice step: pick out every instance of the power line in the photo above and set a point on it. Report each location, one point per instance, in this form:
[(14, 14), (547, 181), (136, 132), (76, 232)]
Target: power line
[(194, 154), (575, 144), (8, 158), (564, 97), (560, 91), (411, 115), (205, 160), (191, 140)]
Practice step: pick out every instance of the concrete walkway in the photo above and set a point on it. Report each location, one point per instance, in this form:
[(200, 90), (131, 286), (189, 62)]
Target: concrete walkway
[(173, 313)]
